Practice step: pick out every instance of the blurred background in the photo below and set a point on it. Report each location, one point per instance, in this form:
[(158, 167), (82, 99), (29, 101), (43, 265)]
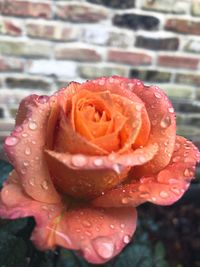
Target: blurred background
[(44, 44)]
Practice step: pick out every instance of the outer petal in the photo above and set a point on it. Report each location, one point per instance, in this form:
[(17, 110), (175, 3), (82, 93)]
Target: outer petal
[(163, 126), (164, 188), (25, 149), (97, 233)]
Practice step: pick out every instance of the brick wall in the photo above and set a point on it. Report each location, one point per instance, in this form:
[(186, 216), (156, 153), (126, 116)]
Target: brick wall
[(45, 44)]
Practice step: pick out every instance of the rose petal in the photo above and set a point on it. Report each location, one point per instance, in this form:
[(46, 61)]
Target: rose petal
[(67, 140), (25, 151), (163, 126), (72, 175), (98, 234), (164, 188)]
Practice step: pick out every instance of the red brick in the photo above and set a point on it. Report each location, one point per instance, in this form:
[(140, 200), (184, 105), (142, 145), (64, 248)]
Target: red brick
[(132, 58), (77, 12), (10, 27), (25, 8), (79, 54), (11, 64), (52, 30), (183, 26), (178, 62)]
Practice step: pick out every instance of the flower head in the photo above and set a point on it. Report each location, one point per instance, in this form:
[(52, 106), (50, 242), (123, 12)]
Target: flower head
[(85, 157)]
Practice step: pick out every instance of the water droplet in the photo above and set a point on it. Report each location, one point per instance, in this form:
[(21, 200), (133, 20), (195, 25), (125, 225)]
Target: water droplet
[(44, 185), (88, 233), (126, 239), (186, 172), (78, 230), (104, 247), (165, 122), (86, 223), (11, 141), (164, 194), (125, 200), (142, 159), (112, 226), (175, 190), (98, 162), (32, 181), (27, 151), (26, 163), (79, 160), (171, 110), (122, 225), (153, 199), (32, 125), (144, 195), (24, 134), (157, 95)]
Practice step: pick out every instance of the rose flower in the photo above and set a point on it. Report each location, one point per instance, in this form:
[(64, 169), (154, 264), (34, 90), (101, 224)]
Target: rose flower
[(85, 157)]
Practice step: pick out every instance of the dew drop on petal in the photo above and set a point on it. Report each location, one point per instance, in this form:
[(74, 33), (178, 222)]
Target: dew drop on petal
[(112, 226), (32, 181), (164, 194), (27, 151), (86, 223), (44, 185), (175, 190), (165, 122), (157, 95), (122, 225), (32, 125), (104, 247), (24, 134), (11, 141), (126, 239), (186, 173), (79, 160), (125, 200), (171, 110), (98, 162), (25, 163)]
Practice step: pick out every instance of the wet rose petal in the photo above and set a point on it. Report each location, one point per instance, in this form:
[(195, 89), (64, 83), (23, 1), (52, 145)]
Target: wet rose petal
[(164, 188), (24, 149), (97, 234)]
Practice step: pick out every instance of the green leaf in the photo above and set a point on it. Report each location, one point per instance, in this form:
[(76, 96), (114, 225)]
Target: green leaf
[(5, 169), (12, 251)]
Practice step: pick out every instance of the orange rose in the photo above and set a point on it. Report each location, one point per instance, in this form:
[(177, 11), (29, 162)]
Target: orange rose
[(85, 157)]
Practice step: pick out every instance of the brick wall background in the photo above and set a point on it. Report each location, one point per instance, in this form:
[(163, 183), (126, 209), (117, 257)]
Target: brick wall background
[(45, 44)]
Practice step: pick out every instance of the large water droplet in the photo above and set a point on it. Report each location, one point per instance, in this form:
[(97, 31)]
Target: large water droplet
[(126, 239), (171, 110), (11, 141), (26, 163), (165, 122), (32, 125), (104, 247), (79, 160)]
